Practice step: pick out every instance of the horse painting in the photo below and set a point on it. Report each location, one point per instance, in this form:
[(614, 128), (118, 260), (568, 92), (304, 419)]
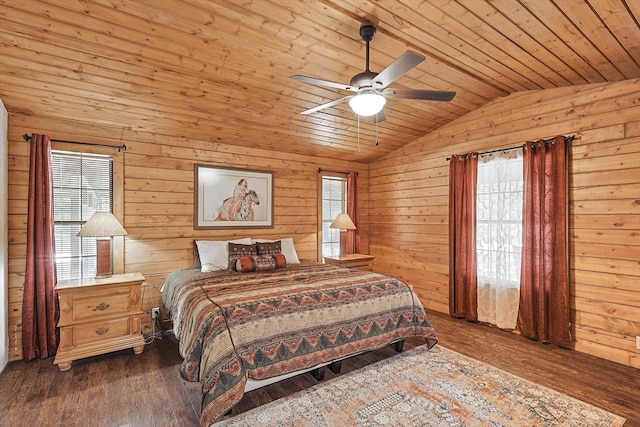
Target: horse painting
[(238, 207)]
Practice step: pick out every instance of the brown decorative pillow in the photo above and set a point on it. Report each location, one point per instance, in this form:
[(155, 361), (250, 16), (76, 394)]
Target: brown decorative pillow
[(237, 250), (247, 264), (269, 248)]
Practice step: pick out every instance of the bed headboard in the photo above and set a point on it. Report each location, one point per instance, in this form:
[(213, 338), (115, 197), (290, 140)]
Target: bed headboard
[(196, 256)]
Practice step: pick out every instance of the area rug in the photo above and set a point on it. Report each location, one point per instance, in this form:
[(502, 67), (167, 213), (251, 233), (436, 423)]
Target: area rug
[(423, 387)]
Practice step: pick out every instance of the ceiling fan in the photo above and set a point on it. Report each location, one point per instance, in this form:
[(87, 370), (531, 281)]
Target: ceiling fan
[(371, 88)]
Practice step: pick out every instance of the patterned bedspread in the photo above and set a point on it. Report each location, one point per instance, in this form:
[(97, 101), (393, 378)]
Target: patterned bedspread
[(236, 326)]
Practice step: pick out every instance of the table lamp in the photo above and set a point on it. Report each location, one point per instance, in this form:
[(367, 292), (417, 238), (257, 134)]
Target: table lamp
[(103, 226), (343, 222)]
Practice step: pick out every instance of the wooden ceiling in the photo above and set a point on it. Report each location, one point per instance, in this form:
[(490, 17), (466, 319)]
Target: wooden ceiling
[(220, 70)]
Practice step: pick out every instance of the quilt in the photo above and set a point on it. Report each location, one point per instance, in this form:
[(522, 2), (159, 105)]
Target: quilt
[(236, 326)]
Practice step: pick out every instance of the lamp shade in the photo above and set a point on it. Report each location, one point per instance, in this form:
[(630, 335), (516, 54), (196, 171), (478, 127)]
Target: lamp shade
[(343, 222), (102, 224), (367, 103)]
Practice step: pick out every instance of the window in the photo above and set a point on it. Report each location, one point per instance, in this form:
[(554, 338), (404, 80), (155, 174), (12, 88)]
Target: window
[(499, 218), (82, 185), (499, 205), (334, 202)]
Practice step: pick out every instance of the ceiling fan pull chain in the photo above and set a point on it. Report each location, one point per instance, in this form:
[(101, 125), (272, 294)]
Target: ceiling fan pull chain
[(358, 133), (376, 129)]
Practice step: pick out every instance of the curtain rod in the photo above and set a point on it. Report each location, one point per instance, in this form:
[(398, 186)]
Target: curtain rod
[(119, 147), (535, 144), (320, 170)]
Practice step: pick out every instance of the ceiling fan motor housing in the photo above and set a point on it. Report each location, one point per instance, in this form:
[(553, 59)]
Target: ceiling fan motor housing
[(363, 79)]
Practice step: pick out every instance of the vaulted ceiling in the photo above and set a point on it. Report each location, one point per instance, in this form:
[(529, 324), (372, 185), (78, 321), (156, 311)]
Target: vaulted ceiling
[(220, 70)]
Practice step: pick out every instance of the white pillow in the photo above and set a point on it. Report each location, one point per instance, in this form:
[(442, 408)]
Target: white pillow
[(287, 247), (214, 254)]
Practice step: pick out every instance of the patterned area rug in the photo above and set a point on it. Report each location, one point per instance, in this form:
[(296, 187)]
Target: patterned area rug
[(422, 387)]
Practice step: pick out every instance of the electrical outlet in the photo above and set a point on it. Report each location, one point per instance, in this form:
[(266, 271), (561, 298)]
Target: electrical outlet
[(155, 312), (638, 343)]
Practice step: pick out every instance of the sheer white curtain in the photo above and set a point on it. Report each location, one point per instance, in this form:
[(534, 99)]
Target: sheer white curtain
[(499, 206)]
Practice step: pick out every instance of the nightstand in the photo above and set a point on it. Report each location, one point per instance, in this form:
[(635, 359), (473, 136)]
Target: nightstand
[(99, 316), (359, 261)]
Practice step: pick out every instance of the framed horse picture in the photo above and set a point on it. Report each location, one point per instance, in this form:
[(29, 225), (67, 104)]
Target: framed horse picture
[(232, 198)]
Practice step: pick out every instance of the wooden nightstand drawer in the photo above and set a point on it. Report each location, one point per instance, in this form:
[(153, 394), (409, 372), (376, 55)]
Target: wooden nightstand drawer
[(101, 305), (99, 331)]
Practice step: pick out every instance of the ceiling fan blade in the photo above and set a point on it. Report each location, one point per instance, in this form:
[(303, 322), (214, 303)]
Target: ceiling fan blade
[(379, 118), (393, 72), (325, 83), (327, 105), (426, 95)]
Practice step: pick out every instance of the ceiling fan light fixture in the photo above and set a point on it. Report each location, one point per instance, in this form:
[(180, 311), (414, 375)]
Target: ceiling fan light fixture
[(367, 103)]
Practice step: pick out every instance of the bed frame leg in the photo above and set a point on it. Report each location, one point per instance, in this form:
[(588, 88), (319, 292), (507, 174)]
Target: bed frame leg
[(336, 366), (398, 346), (318, 373)]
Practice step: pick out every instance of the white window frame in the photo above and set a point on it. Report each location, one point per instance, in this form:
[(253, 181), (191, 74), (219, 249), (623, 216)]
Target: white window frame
[(330, 238), (512, 247), (117, 157)]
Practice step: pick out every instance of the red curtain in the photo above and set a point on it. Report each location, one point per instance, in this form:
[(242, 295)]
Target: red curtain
[(463, 287), (39, 303), (353, 236), (544, 312)]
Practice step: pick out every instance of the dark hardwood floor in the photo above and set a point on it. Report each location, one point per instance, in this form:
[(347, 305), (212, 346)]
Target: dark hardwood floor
[(146, 390)]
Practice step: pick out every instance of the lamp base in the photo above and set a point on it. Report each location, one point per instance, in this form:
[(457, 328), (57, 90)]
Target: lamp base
[(343, 242), (103, 258)]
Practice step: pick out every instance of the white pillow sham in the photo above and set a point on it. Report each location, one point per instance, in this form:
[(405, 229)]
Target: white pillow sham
[(288, 248), (214, 254)]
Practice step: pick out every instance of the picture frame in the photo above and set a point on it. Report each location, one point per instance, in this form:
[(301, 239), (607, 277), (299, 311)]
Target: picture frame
[(232, 198)]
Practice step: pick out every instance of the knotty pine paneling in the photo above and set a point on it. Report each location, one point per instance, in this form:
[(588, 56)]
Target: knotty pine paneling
[(409, 203), (158, 200)]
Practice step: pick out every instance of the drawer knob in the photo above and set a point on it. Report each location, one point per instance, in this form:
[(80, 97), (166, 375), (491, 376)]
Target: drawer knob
[(102, 331), (102, 307)]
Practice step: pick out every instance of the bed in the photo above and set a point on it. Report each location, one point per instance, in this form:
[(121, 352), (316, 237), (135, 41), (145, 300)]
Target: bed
[(241, 328)]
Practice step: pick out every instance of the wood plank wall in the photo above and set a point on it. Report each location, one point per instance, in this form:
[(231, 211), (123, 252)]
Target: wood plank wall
[(409, 203), (406, 205), (158, 201)]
